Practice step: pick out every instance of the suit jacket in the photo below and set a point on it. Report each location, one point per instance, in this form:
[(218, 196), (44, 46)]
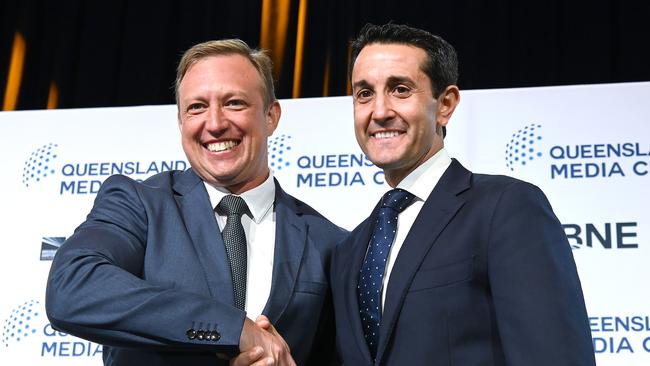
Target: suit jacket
[(149, 264), (485, 277)]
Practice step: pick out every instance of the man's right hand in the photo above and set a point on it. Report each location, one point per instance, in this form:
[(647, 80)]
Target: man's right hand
[(274, 350)]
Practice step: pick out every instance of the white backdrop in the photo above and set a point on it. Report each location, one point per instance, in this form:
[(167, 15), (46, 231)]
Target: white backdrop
[(587, 147)]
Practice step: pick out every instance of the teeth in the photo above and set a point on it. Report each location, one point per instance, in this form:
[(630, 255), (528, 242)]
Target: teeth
[(221, 146), (385, 135)]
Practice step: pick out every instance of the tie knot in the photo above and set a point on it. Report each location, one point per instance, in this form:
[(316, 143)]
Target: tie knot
[(232, 205), (397, 199)]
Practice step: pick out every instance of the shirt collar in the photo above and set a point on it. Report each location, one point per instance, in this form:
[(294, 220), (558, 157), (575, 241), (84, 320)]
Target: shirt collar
[(424, 178), (259, 199)]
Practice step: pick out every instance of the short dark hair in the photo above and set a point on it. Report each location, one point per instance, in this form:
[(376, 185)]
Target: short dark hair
[(441, 65)]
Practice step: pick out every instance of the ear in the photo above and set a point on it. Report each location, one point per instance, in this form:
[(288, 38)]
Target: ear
[(273, 117), (178, 117), (447, 102)]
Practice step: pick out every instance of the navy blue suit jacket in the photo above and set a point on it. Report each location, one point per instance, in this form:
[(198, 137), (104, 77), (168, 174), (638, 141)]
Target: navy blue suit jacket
[(485, 277), (149, 264)]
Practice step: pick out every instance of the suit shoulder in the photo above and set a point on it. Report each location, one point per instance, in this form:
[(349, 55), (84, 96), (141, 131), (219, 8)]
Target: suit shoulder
[(161, 183), (500, 183), (163, 180), (503, 191)]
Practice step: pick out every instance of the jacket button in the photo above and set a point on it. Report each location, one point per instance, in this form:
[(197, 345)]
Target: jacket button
[(191, 333), (214, 336), (200, 335)]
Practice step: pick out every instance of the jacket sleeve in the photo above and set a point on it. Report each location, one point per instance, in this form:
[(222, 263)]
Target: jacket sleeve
[(95, 288), (540, 310)]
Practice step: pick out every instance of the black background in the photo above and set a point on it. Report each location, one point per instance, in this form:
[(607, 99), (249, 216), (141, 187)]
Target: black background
[(119, 52)]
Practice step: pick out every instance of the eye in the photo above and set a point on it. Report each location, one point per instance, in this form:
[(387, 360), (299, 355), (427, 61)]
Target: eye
[(195, 108), (235, 104), (402, 91), (363, 95)]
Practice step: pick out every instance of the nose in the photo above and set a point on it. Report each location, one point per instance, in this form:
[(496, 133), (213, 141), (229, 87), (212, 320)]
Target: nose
[(382, 109), (216, 120)]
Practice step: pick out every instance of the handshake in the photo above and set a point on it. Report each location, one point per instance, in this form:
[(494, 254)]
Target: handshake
[(261, 345)]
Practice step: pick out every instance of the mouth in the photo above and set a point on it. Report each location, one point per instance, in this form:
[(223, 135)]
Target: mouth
[(386, 134), (221, 145)]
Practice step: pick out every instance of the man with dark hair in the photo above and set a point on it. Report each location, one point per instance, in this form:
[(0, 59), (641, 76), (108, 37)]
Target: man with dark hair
[(451, 267), (173, 270)]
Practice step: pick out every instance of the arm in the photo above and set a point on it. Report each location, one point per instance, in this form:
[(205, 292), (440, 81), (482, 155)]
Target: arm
[(538, 300), (95, 289)]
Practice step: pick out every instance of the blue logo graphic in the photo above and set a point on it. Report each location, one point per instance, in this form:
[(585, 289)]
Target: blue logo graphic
[(18, 325), (522, 147), (278, 146), (39, 164)]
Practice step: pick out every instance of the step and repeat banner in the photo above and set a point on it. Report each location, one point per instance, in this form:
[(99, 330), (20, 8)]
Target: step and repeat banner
[(587, 147)]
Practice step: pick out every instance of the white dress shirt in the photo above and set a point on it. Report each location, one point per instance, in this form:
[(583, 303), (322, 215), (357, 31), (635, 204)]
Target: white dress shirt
[(420, 183), (260, 240)]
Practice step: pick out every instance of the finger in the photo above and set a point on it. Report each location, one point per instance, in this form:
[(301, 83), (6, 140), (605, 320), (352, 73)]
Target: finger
[(263, 322), (267, 361), (271, 329), (249, 357)]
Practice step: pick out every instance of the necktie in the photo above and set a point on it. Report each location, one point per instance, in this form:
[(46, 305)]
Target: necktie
[(234, 240), (372, 272)]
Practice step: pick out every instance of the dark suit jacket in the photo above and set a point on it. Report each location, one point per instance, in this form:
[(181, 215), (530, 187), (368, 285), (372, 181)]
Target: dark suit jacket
[(484, 277), (149, 264)]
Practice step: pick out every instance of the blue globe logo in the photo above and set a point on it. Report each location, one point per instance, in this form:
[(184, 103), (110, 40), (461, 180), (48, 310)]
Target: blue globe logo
[(18, 326), (278, 147), (39, 164), (523, 146)]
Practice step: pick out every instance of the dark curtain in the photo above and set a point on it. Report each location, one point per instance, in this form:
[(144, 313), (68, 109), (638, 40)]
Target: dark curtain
[(119, 53)]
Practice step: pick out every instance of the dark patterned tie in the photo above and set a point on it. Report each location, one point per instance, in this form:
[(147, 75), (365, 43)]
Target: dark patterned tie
[(372, 272), (234, 239)]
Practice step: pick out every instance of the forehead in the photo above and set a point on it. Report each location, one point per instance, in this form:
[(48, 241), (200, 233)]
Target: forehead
[(221, 72), (379, 60)]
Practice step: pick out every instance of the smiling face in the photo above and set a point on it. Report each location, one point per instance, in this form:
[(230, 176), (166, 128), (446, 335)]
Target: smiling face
[(224, 123), (395, 112)]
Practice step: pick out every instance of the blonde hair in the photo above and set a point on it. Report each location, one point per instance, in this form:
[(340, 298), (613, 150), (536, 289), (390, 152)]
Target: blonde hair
[(258, 58)]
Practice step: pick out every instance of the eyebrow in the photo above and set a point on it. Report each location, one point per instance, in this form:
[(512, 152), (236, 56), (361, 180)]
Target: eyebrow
[(360, 84), (392, 80)]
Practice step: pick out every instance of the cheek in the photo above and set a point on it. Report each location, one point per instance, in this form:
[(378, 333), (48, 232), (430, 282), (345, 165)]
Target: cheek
[(189, 129), (360, 135), (360, 124)]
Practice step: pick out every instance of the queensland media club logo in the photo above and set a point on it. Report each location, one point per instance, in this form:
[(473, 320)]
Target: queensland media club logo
[(40, 164), (279, 147), (577, 160), (321, 170), (26, 328), (86, 177), (524, 147)]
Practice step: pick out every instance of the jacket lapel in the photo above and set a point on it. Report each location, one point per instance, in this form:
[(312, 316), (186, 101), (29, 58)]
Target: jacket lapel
[(439, 208), (201, 224), (290, 240), (352, 252)]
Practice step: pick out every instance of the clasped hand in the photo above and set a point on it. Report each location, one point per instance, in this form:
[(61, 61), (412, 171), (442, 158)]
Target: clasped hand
[(260, 344)]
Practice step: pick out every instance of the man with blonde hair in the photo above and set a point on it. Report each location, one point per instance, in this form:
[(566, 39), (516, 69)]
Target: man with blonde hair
[(171, 271)]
